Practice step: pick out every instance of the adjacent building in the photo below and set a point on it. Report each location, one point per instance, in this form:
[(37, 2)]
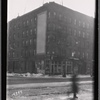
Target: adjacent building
[(53, 39)]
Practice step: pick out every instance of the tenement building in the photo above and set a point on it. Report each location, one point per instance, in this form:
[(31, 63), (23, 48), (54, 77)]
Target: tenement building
[(53, 39)]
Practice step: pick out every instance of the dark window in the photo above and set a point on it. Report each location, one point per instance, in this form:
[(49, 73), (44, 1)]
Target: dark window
[(31, 32), (75, 21), (79, 23)]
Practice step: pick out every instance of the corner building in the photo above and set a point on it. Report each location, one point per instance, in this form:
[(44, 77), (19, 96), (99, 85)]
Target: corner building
[(53, 39)]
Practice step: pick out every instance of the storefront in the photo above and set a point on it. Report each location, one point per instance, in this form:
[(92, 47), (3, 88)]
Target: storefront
[(58, 67)]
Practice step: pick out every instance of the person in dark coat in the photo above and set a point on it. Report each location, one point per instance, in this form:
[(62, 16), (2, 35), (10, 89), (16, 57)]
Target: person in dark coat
[(74, 86)]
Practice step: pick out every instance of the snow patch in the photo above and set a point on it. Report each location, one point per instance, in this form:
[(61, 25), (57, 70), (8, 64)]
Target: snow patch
[(13, 74), (25, 74), (40, 75)]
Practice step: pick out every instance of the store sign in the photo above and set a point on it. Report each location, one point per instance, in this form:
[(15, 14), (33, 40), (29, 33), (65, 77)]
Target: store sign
[(41, 32)]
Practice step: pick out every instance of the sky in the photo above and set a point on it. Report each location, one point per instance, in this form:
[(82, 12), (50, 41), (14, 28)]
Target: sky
[(21, 7)]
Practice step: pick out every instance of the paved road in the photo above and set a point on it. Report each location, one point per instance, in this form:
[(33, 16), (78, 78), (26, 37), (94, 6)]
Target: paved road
[(25, 80)]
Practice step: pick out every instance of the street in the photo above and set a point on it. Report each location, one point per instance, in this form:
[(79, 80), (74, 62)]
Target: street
[(24, 80)]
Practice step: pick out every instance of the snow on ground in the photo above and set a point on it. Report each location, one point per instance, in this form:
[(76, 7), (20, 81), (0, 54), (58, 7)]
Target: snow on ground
[(39, 75), (50, 93), (86, 96)]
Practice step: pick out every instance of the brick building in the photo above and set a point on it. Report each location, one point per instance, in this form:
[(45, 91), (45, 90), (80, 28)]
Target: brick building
[(53, 39)]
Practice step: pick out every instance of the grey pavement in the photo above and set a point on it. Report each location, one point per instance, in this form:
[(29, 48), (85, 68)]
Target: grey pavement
[(52, 84)]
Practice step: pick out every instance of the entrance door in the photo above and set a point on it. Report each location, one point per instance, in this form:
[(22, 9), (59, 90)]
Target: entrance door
[(69, 67), (52, 69)]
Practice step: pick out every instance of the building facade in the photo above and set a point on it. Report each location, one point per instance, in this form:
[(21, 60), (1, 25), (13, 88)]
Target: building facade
[(52, 39)]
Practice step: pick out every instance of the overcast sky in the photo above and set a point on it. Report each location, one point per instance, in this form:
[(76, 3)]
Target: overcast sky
[(20, 7)]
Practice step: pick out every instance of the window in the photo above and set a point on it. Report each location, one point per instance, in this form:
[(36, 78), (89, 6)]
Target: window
[(83, 34), (13, 54), (23, 53), (69, 30), (48, 36), (35, 19), (59, 27), (14, 44), (18, 26), (26, 53), (65, 19), (83, 24), (54, 14), (31, 31), (74, 32), (49, 25), (75, 21), (31, 52), (60, 17), (27, 42), (23, 34), (79, 33), (30, 41), (79, 53), (53, 52), (27, 22), (58, 42), (70, 20), (24, 23), (18, 35), (87, 25), (77, 42), (87, 55), (83, 54), (35, 30), (27, 33), (23, 43), (54, 26), (65, 28), (87, 35), (34, 51), (48, 52), (34, 40), (73, 53), (14, 36), (15, 26), (79, 23), (31, 20)]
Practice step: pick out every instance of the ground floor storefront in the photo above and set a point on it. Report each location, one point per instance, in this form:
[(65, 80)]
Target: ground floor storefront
[(68, 67), (21, 66), (51, 67)]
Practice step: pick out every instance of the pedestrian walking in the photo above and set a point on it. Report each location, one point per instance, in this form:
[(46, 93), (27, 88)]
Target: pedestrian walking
[(74, 86)]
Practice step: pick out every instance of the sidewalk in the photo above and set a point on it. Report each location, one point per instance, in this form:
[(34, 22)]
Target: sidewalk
[(81, 96), (38, 85)]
